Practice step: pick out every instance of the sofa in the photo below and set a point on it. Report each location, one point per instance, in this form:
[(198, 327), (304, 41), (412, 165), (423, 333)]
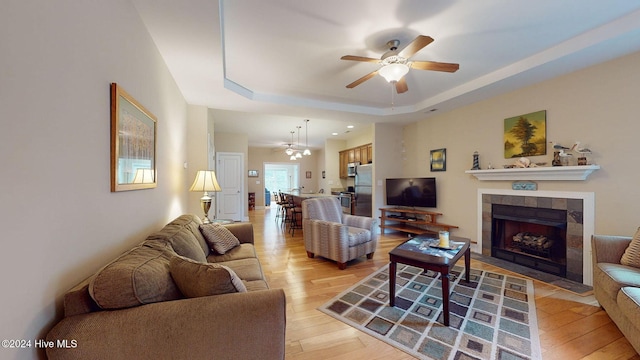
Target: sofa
[(135, 307), (617, 286)]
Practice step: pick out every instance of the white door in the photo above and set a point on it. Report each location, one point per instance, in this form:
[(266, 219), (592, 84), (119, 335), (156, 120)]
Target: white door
[(230, 201)]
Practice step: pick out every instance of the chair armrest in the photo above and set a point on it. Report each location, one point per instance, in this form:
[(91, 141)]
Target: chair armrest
[(362, 222), (231, 326), (608, 248), (242, 230)]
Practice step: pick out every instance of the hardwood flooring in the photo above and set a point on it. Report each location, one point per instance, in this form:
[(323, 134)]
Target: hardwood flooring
[(571, 326)]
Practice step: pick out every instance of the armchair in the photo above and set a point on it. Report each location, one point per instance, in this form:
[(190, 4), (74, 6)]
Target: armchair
[(336, 236)]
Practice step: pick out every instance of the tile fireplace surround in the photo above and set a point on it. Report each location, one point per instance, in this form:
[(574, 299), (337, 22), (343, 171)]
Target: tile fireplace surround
[(580, 208)]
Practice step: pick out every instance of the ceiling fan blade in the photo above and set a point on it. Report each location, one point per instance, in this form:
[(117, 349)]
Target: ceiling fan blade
[(416, 45), (435, 66), (362, 79), (401, 85), (359, 58)]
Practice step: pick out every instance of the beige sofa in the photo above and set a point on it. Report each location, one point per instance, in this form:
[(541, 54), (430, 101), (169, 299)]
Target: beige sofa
[(616, 286), (133, 309)]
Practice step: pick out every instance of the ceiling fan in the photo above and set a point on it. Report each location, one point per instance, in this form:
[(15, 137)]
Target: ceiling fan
[(396, 64)]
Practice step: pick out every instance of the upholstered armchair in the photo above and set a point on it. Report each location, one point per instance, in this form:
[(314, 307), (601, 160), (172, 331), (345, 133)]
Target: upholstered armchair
[(336, 236)]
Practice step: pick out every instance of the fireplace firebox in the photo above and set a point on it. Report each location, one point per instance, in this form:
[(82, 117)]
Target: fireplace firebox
[(532, 237)]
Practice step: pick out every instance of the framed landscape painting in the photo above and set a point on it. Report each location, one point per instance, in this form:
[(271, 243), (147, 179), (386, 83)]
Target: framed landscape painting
[(525, 135), (133, 143)]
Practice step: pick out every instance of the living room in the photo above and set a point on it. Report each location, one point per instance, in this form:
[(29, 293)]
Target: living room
[(57, 62)]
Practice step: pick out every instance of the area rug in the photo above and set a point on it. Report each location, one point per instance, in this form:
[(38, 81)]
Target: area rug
[(492, 317)]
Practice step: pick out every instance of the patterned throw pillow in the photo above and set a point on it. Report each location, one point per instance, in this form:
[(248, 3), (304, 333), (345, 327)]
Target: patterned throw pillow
[(195, 279), (631, 256), (219, 238)]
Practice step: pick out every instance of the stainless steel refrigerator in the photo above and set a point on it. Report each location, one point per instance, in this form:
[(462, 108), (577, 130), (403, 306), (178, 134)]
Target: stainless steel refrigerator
[(363, 187)]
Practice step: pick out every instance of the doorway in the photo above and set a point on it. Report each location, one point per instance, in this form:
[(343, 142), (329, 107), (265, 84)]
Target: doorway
[(281, 177)]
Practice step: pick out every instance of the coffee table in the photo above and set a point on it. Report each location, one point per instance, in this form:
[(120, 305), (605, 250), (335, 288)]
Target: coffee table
[(422, 251)]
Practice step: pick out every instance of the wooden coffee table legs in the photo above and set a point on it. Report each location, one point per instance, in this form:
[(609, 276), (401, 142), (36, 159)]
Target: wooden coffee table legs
[(444, 276), (392, 283)]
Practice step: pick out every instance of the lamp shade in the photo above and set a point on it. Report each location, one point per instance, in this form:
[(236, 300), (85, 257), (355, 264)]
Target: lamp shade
[(393, 72), (205, 181), (144, 176)]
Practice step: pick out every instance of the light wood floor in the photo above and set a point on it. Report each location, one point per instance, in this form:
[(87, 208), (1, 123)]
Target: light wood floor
[(571, 326)]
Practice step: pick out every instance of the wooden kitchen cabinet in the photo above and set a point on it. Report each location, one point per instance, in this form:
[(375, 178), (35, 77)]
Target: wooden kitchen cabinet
[(362, 154)]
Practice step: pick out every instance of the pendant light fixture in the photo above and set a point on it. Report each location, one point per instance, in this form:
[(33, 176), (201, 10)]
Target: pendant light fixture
[(289, 150), (306, 133), (298, 153)]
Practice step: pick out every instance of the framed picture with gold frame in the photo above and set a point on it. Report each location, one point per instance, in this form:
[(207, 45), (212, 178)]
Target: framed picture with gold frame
[(439, 160), (133, 143)]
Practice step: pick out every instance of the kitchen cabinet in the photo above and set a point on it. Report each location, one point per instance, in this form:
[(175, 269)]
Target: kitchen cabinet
[(362, 154)]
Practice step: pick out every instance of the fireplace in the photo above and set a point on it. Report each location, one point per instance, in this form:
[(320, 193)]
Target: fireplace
[(533, 237), (570, 229)]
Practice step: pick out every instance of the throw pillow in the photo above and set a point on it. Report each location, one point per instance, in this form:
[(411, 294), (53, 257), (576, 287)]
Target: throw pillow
[(219, 238), (631, 256), (196, 279), (140, 276)]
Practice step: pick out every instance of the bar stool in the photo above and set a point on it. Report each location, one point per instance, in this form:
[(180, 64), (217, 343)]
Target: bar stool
[(294, 216)]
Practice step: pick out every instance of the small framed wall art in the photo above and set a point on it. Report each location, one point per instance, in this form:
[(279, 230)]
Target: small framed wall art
[(439, 160), (133, 143), (253, 173)]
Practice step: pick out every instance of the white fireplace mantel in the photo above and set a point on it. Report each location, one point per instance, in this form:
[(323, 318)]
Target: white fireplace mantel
[(536, 173)]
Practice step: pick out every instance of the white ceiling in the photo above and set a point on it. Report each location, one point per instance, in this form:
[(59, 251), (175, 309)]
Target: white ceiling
[(265, 66)]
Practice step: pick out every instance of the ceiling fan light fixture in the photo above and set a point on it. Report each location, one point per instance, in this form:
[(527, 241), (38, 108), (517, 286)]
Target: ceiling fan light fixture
[(289, 151), (306, 152), (293, 157), (393, 72)]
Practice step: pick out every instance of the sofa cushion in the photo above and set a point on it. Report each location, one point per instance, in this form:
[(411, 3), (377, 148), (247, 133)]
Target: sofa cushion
[(184, 236), (247, 269), (629, 303), (196, 279), (631, 256), (140, 276), (244, 251), (613, 277), (219, 238)]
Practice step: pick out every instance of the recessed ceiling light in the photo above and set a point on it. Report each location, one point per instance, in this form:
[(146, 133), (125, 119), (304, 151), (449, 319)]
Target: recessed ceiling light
[(334, 134), (349, 126)]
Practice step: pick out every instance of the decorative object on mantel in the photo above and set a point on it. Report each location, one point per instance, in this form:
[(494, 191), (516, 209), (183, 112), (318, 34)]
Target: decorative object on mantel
[(583, 151), (560, 156), (476, 161), (524, 185), (525, 135), (536, 173)]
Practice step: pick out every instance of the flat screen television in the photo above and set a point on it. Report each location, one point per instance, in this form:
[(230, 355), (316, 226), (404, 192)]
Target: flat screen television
[(412, 192)]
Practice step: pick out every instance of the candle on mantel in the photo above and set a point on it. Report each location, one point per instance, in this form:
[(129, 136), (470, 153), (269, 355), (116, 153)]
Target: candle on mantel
[(444, 239)]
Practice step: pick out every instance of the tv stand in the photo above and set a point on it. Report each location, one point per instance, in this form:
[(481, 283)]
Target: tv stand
[(411, 221)]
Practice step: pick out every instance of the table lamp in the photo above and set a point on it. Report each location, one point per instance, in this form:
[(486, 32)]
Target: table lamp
[(206, 181)]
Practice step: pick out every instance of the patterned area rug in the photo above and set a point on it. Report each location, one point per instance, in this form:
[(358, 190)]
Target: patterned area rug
[(492, 317)]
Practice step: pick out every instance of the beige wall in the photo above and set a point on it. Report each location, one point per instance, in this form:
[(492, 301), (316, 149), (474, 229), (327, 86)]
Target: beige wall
[(60, 221), (332, 150), (197, 150), (597, 106)]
